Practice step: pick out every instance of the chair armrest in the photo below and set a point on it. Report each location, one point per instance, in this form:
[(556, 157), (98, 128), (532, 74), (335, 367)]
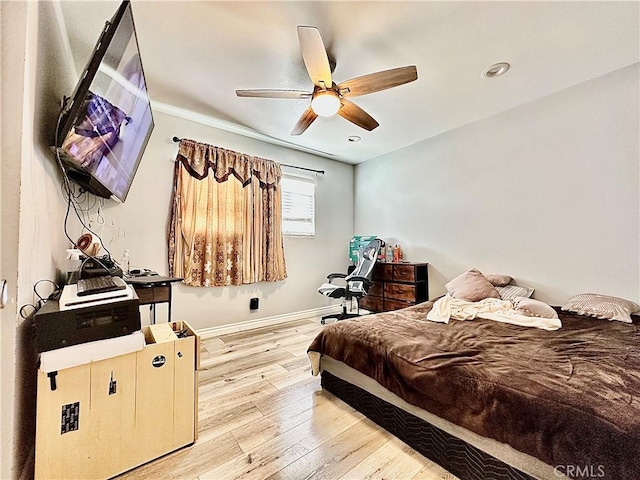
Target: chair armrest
[(364, 280), (331, 276)]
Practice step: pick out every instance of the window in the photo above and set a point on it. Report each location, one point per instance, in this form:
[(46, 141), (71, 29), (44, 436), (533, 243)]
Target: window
[(298, 206)]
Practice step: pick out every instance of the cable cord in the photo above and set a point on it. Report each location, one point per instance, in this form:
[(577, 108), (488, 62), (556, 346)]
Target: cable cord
[(95, 259), (67, 189), (24, 313)]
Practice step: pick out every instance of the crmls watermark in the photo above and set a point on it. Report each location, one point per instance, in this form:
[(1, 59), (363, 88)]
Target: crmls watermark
[(580, 471)]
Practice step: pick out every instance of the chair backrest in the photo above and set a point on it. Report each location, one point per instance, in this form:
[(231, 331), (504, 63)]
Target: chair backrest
[(366, 262)]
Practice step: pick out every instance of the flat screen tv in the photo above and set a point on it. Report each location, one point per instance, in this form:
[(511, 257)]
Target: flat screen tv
[(106, 124)]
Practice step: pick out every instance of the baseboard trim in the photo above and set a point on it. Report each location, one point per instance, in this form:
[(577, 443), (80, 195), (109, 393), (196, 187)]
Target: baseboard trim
[(266, 321)]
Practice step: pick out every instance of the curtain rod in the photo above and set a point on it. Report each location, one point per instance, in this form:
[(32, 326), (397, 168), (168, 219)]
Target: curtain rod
[(321, 172)]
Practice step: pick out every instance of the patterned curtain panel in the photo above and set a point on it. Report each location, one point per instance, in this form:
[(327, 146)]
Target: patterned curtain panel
[(226, 219)]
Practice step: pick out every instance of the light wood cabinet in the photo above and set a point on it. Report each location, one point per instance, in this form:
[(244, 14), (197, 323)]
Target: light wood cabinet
[(396, 286), (107, 417)]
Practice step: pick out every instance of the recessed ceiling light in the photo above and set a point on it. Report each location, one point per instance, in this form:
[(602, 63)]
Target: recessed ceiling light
[(354, 138), (496, 70)]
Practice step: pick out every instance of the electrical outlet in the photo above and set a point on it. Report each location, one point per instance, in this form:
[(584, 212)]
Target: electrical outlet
[(254, 303)]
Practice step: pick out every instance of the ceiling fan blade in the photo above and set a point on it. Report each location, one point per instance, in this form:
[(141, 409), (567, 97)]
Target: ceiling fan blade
[(355, 114), (270, 93), (307, 118), (315, 56), (374, 82)]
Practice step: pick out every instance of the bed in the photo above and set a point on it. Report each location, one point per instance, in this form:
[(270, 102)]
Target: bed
[(490, 400)]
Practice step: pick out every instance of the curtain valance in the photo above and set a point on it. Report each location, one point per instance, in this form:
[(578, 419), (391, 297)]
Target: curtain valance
[(199, 159)]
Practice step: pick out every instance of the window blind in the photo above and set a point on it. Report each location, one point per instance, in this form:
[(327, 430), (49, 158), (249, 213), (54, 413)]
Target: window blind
[(298, 206)]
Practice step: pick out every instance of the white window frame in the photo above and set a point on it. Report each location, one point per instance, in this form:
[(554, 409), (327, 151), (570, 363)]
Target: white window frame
[(298, 220)]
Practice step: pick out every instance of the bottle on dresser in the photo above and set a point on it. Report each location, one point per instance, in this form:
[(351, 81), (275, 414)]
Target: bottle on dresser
[(389, 258)]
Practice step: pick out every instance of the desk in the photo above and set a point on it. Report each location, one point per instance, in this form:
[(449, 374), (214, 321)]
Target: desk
[(153, 289)]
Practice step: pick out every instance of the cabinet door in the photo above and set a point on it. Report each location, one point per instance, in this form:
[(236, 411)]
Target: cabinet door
[(113, 400), (185, 392), (154, 403), (64, 425)]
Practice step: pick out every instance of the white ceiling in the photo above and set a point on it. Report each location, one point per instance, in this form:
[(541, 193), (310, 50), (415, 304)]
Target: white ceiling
[(196, 54)]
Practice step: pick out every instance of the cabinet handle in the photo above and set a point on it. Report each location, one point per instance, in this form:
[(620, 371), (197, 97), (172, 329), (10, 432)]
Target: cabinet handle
[(52, 380)]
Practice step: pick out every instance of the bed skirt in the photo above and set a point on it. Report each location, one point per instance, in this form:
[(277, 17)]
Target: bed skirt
[(453, 454)]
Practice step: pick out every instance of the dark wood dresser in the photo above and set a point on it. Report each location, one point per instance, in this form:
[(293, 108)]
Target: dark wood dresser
[(396, 285)]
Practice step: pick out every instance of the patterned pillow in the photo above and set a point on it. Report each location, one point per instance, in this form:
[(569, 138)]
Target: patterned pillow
[(471, 286), (533, 308), (601, 306), (510, 292), (498, 280)]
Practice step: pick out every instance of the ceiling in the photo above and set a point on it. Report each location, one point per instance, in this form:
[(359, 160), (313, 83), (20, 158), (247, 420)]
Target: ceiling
[(196, 54)]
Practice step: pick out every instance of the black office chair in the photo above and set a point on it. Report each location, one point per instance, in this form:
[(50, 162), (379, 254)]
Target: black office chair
[(357, 282)]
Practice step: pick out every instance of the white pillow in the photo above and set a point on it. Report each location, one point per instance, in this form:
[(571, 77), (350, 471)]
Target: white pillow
[(510, 292), (602, 306), (533, 308)]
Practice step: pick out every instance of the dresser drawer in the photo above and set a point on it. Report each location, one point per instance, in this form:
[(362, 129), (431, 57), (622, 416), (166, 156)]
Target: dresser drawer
[(377, 289), (404, 273), (400, 291), (382, 272), (372, 303), (153, 294), (390, 305)]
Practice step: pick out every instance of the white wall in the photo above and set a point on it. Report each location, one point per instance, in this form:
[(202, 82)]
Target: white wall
[(33, 82), (547, 192), (140, 224), (12, 17)]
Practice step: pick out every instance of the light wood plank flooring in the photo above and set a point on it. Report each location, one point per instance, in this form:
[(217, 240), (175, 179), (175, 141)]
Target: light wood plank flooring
[(263, 416)]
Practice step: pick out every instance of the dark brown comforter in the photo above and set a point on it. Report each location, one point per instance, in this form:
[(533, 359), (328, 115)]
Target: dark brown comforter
[(567, 397)]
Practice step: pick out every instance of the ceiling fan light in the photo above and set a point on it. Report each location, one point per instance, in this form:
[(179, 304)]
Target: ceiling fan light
[(325, 104)]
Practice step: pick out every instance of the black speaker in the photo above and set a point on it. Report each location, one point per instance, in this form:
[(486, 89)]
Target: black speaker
[(57, 328), (254, 303)]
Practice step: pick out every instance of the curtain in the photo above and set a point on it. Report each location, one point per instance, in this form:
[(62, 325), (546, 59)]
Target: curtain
[(226, 219)]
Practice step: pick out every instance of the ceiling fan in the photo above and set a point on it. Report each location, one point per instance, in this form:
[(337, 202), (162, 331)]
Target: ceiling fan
[(327, 98)]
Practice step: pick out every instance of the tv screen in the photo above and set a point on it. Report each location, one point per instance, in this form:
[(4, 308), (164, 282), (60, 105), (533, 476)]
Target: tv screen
[(107, 124)]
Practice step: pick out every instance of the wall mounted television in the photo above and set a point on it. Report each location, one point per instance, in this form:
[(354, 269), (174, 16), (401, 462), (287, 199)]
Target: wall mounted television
[(106, 124)]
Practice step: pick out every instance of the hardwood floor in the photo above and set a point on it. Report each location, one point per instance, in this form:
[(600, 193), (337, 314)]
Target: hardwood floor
[(263, 416)]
